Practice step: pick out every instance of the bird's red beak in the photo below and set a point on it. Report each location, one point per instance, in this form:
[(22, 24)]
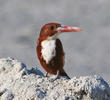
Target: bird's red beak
[(69, 29)]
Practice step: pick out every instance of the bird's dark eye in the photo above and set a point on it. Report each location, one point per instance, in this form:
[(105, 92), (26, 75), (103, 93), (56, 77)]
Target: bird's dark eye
[(52, 27)]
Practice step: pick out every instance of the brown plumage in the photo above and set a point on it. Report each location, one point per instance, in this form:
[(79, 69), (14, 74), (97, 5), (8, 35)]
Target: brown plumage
[(55, 62)]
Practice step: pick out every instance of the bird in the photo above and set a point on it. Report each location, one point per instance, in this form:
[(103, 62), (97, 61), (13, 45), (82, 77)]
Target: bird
[(50, 50)]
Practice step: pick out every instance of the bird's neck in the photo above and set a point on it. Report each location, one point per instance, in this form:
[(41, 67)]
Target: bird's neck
[(41, 39)]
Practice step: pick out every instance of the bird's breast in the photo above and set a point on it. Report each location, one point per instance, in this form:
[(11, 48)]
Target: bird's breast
[(48, 49)]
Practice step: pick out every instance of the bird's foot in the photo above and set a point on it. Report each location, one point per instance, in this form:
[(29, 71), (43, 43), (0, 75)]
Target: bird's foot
[(46, 75), (55, 78)]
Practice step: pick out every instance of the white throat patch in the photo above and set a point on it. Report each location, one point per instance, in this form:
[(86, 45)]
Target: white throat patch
[(48, 49)]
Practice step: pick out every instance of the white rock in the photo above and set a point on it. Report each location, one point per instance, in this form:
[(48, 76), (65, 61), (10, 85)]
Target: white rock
[(19, 83)]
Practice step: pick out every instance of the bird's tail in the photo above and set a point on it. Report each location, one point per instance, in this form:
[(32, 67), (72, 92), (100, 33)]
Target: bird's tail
[(63, 73)]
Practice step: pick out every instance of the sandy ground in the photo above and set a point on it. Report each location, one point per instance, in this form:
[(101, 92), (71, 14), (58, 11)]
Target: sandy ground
[(19, 83)]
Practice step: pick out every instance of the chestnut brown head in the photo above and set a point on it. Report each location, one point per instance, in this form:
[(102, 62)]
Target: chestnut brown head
[(51, 30)]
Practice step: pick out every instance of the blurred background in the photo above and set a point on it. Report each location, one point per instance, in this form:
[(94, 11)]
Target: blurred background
[(87, 52)]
